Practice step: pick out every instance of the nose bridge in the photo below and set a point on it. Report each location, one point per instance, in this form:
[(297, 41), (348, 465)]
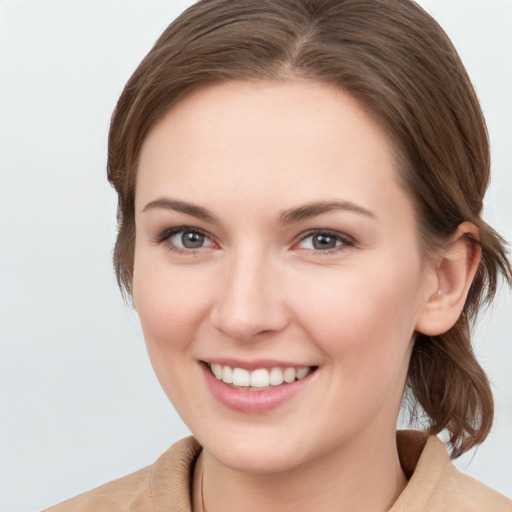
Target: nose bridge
[(249, 301)]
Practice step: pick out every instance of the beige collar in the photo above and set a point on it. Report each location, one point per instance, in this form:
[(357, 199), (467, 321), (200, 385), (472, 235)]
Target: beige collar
[(423, 460)]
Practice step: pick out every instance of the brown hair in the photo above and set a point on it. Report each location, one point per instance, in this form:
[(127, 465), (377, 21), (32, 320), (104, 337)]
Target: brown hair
[(397, 61)]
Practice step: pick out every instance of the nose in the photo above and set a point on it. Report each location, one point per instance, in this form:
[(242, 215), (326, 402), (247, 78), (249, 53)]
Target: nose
[(250, 301)]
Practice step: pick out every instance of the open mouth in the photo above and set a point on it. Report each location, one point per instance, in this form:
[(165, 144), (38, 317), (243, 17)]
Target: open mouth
[(259, 379)]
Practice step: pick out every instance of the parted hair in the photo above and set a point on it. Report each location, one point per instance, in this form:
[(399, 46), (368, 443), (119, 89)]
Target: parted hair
[(395, 60)]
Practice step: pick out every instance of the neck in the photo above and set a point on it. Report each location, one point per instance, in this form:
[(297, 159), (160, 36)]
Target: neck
[(361, 477)]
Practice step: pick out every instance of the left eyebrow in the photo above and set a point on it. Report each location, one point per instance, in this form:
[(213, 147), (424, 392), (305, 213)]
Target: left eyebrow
[(310, 210)]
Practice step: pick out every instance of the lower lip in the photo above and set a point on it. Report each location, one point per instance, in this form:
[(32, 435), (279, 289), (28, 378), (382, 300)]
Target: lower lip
[(253, 402)]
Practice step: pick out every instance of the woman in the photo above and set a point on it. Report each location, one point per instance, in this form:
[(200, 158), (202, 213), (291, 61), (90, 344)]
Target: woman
[(300, 189)]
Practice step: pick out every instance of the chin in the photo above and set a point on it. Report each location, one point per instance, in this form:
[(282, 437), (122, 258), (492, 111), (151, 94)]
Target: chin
[(256, 451), (256, 461)]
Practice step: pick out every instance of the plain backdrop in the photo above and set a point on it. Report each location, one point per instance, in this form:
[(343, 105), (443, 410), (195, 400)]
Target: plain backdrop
[(79, 403)]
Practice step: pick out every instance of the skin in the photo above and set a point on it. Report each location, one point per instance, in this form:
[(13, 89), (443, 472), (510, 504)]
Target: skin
[(257, 289)]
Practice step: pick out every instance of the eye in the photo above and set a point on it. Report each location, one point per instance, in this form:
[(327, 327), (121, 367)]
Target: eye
[(324, 241), (189, 240), (185, 239)]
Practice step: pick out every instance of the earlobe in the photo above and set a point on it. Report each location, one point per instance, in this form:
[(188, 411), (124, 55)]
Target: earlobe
[(456, 269)]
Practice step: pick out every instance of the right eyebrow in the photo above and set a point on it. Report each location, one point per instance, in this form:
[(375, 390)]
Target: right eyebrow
[(181, 206)]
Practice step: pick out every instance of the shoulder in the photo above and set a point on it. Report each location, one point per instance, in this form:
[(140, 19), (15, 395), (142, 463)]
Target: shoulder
[(436, 485), (457, 491), (153, 488), (128, 493)]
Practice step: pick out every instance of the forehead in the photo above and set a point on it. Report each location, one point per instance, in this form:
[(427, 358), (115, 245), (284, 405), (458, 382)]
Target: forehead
[(285, 139)]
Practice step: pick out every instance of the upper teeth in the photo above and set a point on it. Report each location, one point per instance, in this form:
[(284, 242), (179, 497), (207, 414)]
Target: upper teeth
[(260, 378)]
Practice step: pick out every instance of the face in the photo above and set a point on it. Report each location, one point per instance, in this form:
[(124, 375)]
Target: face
[(277, 272)]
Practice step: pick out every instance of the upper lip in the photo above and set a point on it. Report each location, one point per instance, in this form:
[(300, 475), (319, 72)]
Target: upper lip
[(254, 364)]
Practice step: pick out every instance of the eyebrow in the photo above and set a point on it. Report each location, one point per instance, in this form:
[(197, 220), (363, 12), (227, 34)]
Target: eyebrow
[(296, 214), (311, 210), (183, 207)]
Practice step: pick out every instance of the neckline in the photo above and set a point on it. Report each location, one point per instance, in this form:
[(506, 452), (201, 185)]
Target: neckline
[(423, 459)]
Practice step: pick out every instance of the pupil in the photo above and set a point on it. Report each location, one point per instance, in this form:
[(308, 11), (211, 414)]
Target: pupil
[(324, 242), (192, 240)]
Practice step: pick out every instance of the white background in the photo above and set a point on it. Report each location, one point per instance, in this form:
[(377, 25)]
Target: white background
[(79, 403)]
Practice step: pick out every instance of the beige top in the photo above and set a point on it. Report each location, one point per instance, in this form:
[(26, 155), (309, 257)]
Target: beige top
[(435, 485)]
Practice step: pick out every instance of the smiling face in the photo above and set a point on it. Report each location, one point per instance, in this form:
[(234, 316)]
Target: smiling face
[(273, 242)]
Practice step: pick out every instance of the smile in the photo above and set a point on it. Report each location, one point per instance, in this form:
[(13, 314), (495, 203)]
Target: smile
[(259, 387), (259, 379)]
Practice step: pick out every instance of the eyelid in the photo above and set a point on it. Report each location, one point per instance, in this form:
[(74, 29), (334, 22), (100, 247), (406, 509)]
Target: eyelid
[(166, 234), (346, 240)]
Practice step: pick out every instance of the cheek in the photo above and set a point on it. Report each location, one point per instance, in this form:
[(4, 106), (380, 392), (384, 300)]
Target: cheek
[(171, 307), (362, 318), (170, 303)]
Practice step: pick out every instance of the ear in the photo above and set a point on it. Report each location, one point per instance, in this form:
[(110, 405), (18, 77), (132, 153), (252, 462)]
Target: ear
[(455, 271)]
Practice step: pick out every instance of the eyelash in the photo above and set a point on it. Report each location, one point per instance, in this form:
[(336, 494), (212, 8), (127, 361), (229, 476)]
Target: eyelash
[(345, 240), (167, 234)]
